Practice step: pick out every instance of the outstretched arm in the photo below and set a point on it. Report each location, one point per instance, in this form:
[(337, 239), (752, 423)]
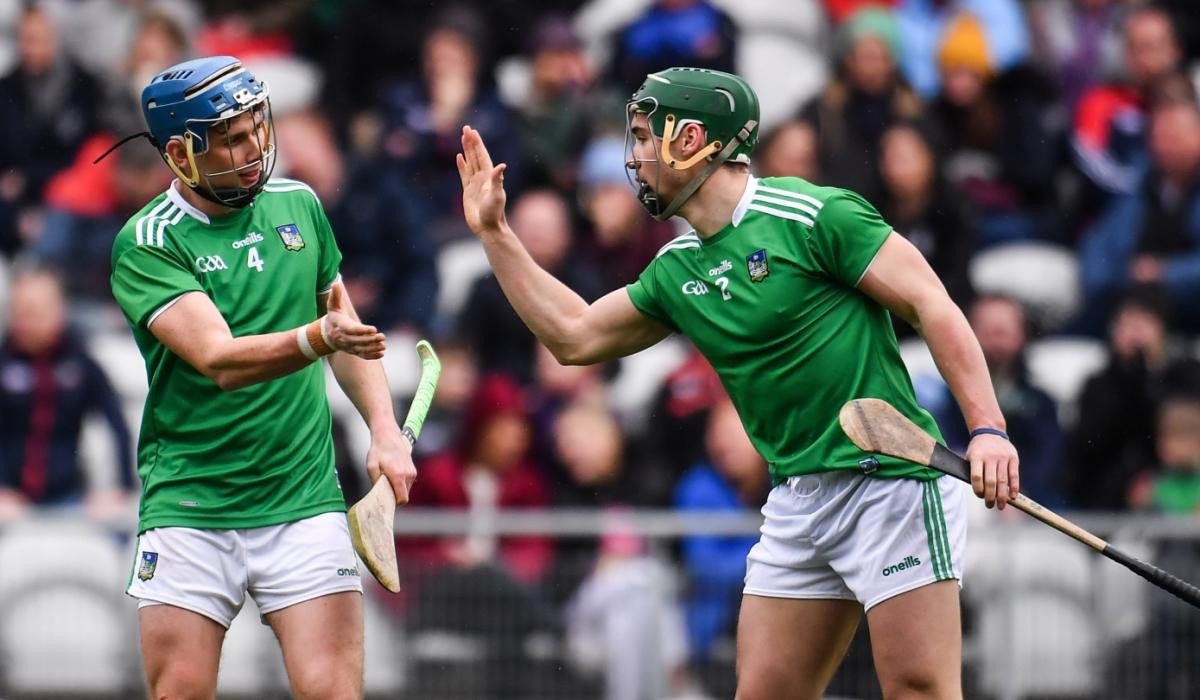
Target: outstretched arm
[(901, 280), (574, 331)]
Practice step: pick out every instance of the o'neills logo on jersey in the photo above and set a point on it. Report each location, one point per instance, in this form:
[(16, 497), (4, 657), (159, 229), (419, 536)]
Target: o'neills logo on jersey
[(724, 267), (248, 240)]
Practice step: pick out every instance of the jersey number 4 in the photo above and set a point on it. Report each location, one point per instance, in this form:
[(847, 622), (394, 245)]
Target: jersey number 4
[(254, 260)]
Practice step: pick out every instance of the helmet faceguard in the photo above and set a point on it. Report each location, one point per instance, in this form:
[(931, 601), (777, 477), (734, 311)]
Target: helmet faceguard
[(197, 103), (724, 104)]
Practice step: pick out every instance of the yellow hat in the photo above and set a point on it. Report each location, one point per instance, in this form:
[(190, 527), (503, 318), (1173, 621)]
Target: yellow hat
[(964, 45)]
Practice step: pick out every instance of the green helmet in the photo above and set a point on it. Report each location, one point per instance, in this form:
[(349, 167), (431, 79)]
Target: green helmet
[(723, 103)]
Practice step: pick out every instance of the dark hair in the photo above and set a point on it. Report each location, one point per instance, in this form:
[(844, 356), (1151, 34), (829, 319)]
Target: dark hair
[(1150, 298)]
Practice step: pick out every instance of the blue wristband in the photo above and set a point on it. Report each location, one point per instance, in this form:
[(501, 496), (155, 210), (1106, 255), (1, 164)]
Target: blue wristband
[(989, 431)]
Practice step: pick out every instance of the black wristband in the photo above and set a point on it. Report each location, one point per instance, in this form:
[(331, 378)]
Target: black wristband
[(989, 431)]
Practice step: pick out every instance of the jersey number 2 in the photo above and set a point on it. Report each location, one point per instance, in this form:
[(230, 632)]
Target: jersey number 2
[(723, 283), (253, 260)]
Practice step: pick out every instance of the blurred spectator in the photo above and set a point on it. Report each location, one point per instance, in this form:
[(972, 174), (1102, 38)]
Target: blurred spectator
[(1032, 416), (423, 119), (789, 150), (482, 584), (673, 33), (925, 209), (388, 252), (487, 471), (87, 203), (488, 321), (1152, 235), (158, 42), (48, 385), (733, 479), (923, 24), (622, 619), (563, 105), (623, 238), (865, 98), (1173, 486), (50, 108), (1077, 42), (1109, 136), (1173, 631), (103, 34), (1112, 441), (555, 388), (678, 414), (1002, 136)]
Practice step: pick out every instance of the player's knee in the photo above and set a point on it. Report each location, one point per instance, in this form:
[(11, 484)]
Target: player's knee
[(330, 679), (910, 684), (768, 684), (181, 682)]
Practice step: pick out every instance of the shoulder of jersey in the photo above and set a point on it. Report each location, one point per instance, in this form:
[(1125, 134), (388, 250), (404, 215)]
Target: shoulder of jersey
[(789, 198), (149, 226), (688, 240), (282, 185)]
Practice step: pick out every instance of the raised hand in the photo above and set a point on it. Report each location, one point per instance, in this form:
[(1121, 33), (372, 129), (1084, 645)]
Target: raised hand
[(483, 185)]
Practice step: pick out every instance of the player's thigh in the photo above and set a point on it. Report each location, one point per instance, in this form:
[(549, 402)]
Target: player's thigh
[(180, 649), (916, 638), (322, 641), (789, 648)]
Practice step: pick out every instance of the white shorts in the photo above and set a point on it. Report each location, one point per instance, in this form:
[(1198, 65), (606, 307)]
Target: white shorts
[(844, 535), (210, 571)]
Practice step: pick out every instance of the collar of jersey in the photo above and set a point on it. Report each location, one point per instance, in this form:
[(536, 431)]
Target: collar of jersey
[(178, 200), (739, 213)]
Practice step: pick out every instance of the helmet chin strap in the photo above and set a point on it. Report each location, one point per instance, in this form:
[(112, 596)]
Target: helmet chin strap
[(649, 197)]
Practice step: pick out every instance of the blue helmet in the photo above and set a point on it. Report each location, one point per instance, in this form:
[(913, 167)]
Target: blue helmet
[(186, 100)]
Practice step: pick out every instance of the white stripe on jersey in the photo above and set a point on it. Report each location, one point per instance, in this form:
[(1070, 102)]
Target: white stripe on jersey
[(687, 240), (791, 204), (156, 224), (285, 185), (153, 213), (794, 216), (794, 195), (162, 225), (679, 246)]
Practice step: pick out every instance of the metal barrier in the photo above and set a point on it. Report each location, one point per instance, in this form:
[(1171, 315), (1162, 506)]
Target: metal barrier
[(1043, 617)]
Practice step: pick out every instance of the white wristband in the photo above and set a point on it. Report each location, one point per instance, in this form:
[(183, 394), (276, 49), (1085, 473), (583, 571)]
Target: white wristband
[(306, 348)]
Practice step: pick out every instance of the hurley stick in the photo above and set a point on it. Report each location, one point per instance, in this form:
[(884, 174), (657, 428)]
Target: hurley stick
[(372, 518), (875, 425)]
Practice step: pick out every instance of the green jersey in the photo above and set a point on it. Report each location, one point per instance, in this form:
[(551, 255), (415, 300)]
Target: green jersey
[(772, 302), (255, 456)]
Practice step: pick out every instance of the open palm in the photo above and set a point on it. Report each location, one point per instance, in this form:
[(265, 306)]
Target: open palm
[(483, 184)]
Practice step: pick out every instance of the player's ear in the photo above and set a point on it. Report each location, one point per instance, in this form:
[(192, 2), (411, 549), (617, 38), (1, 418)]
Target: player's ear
[(176, 154), (695, 138)]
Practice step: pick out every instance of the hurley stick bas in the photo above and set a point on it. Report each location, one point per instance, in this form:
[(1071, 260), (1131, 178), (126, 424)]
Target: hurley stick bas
[(875, 425), (373, 517)]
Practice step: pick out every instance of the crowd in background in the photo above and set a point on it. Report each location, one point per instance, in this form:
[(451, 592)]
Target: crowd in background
[(970, 124)]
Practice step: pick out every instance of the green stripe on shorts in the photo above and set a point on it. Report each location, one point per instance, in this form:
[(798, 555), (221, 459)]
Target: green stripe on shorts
[(935, 530)]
